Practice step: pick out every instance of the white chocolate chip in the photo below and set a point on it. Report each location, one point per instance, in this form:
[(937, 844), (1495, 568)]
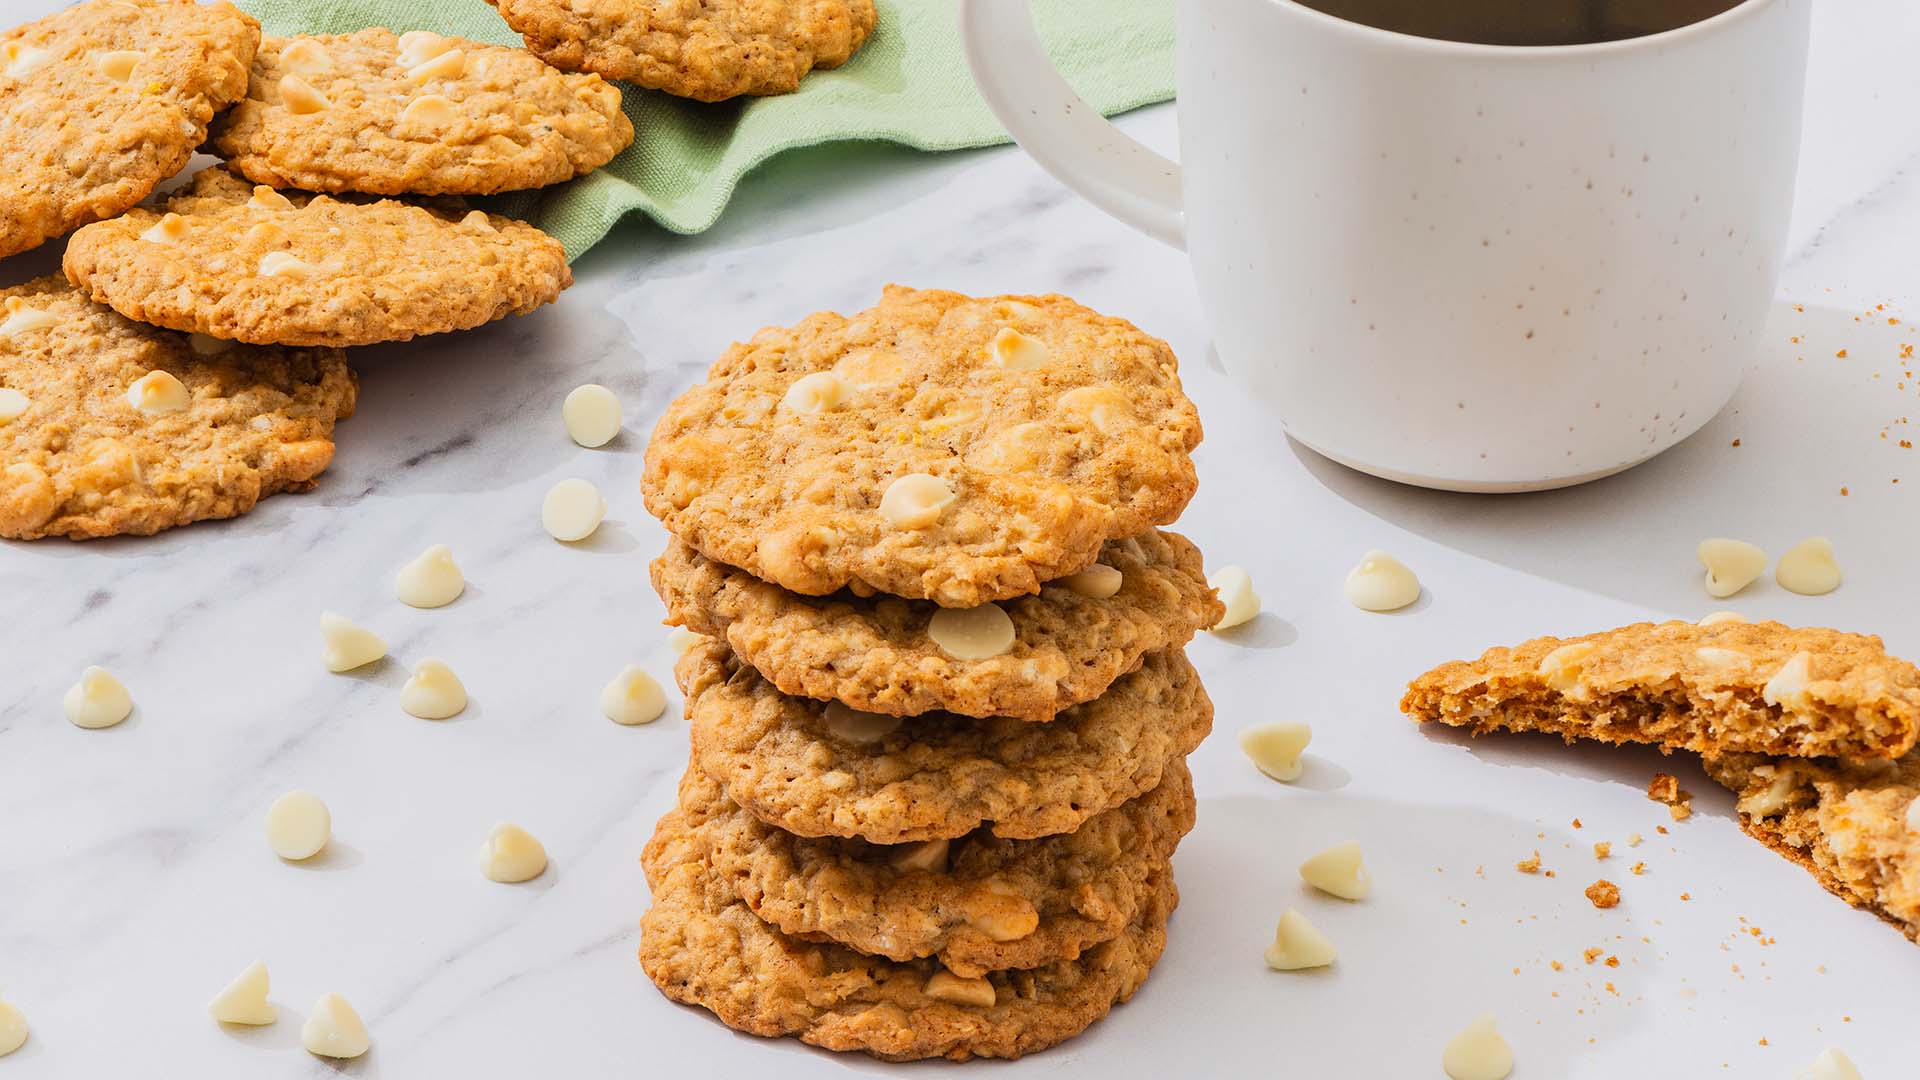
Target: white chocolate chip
[(946, 986), (1235, 589), (98, 700), (1339, 870), (915, 501), (1381, 583), (854, 726), (431, 580), (22, 319), (1011, 917), (1016, 309), (298, 825), (286, 264), (633, 697), (868, 369), (821, 391), (300, 96), (12, 404), (1298, 945), (428, 112), (419, 46), (347, 645), (591, 414), (157, 393), (1808, 568), (244, 1000), (975, 633), (573, 509), (1723, 618), (1788, 686), (1731, 565), (432, 692), (1096, 582), (265, 198), (169, 229), (1103, 406), (1720, 658), (680, 639), (1478, 1053), (18, 59), (1276, 748), (512, 855), (118, 64), (1563, 667), (1830, 1065), (1913, 816), (13, 1028), (928, 855), (1765, 804), (448, 65), (478, 219), (1016, 351), (333, 1029), (305, 56)]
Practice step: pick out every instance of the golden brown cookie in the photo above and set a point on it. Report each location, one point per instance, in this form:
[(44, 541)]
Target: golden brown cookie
[(977, 904), (708, 50), (1729, 687), (102, 101), (703, 947), (1854, 825), (824, 770), (935, 446), (884, 654), (108, 426), (234, 261), (416, 114)]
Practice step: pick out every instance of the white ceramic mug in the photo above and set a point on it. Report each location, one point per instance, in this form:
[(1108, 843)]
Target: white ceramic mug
[(1471, 267)]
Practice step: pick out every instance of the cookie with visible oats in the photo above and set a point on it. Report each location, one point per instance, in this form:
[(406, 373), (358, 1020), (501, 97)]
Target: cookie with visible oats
[(935, 446), (819, 769), (978, 904), (416, 114), (234, 261), (1720, 688), (884, 654), (109, 426), (102, 101), (708, 50), (701, 946), (1854, 825)]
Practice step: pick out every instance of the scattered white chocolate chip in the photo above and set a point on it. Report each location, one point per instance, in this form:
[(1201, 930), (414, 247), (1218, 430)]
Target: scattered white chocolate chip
[(1381, 583), (633, 697), (1339, 870), (854, 726), (680, 639), (946, 986), (1563, 667), (1765, 804), (1011, 916), (1720, 658), (433, 692), (265, 198), (1016, 351), (333, 1029), (428, 112), (12, 404), (22, 319), (1830, 1065), (572, 510), (1808, 568), (169, 229), (1276, 748), (929, 855), (347, 645), (305, 56), (1478, 1053), (1096, 582), (18, 59), (431, 580), (591, 414), (98, 700), (1722, 618), (1913, 816), (511, 855), (118, 64), (244, 1000), (1235, 588), (1298, 945), (1788, 686), (13, 1028), (1731, 565), (975, 633), (821, 391), (419, 46), (448, 65), (915, 501), (298, 825), (157, 393), (300, 96), (285, 264)]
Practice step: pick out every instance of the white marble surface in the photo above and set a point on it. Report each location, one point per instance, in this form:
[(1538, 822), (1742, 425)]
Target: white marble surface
[(134, 878)]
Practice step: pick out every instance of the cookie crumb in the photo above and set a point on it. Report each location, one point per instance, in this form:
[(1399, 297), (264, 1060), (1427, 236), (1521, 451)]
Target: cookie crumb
[(1529, 865), (1593, 954), (1633, 839), (1602, 850), (1603, 893), (1664, 788), (1639, 869)]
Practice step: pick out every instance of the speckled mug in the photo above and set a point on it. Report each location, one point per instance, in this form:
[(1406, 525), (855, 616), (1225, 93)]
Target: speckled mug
[(1469, 267)]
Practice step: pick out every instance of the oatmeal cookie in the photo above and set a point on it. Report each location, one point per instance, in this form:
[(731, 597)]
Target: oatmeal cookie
[(234, 261), (416, 114), (102, 101), (703, 947), (935, 446), (1728, 687), (1069, 643), (708, 50), (1854, 825), (223, 424), (824, 770)]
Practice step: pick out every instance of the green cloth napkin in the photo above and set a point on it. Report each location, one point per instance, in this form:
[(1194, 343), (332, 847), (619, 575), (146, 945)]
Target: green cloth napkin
[(908, 84)]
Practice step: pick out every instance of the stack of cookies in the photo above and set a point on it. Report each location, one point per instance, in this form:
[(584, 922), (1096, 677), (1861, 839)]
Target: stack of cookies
[(939, 706)]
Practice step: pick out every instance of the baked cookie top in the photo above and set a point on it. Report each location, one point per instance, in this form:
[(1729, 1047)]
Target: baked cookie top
[(935, 446), (903, 657), (234, 261), (1854, 825), (825, 770), (703, 947), (978, 903), (1729, 686), (708, 50), (102, 101), (416, 114), (108, 426)]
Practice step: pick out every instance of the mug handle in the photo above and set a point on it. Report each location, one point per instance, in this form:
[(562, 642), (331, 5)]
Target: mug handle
[(1065, 135)]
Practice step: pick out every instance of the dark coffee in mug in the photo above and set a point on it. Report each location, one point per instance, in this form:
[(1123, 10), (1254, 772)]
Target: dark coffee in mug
[(1525, 22)]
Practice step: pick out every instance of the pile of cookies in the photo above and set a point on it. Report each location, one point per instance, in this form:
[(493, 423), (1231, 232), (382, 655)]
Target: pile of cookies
[(936, 693)]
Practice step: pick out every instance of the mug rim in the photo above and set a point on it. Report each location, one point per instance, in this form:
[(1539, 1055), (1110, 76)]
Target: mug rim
[(1737, 13)]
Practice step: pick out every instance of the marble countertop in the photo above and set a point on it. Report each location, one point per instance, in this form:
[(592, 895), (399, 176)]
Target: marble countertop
[(134, 879)]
